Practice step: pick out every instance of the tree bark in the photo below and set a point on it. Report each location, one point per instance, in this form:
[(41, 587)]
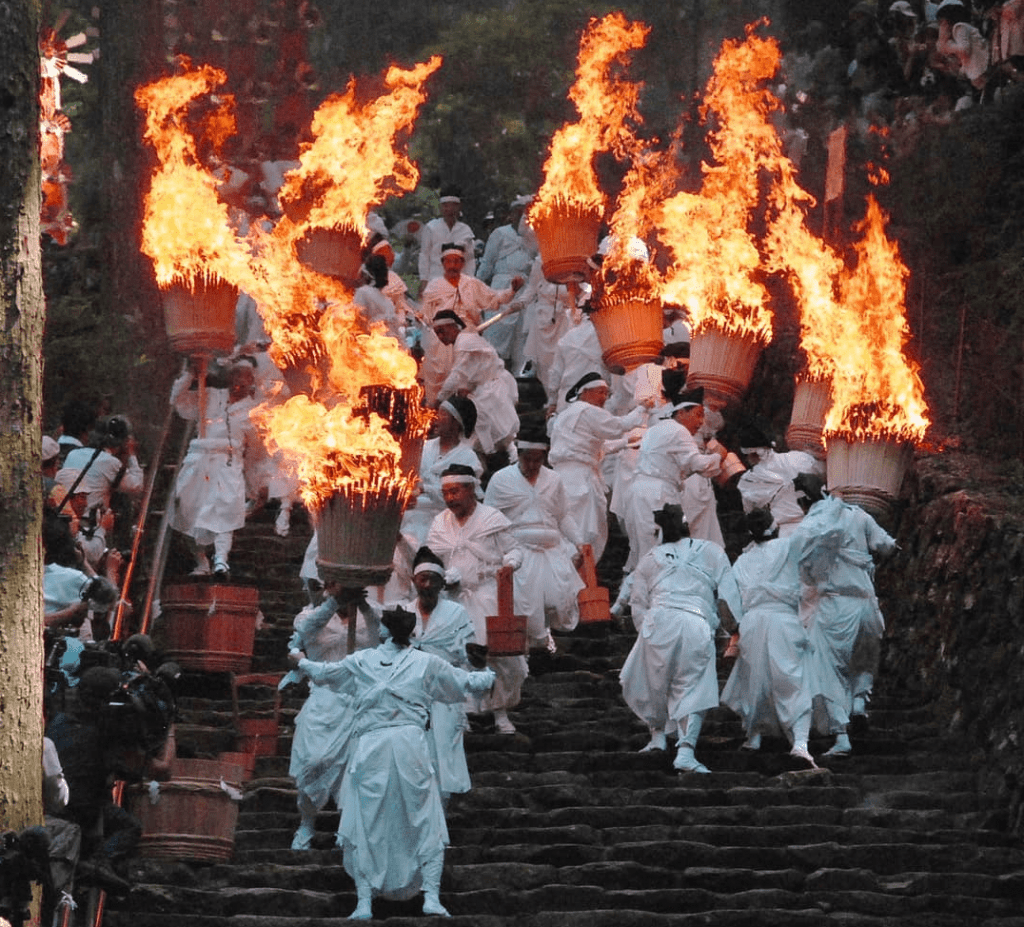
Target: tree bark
[(22, 313)]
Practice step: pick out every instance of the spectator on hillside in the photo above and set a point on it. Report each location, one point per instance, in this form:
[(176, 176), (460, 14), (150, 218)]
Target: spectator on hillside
[(964, 45), (109, 466), (50, 464)]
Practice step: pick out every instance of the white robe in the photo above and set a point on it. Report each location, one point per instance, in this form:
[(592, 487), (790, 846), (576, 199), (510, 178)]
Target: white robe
[(577, 353), (323, 726), (448, 629), (468, 299), (770, 483), (392, 820), (768, 687), (669, 454), (546, 317), (578, 435), (506, 255), (476, 550), (670, 672), (478, 372), (834, 544), (210, 487), (436, 233), (430, 503), (546, 585)]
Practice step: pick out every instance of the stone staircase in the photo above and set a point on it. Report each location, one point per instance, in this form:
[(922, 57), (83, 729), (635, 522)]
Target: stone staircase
[(567, 824)]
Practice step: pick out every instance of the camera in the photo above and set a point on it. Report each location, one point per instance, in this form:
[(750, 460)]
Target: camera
[(23, 860)]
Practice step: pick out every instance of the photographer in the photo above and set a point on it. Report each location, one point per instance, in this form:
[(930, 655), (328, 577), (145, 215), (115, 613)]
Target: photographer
[(110, 834), (109, 465)]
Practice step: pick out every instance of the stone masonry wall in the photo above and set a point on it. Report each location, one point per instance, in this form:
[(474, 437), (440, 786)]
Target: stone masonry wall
[(953, 598)]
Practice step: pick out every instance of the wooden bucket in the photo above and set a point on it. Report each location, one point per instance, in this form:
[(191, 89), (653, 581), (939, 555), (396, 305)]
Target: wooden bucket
[(811, 402), (723, 364), (357, 535), (200, 319), (593, 600), (630, 332), (210, 627), (335, 252), (567, 237), (256, 736), (506, 631), (194, 816), (868, 473)]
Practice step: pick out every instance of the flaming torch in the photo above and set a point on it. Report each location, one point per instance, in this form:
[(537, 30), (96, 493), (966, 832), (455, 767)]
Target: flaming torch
[(567, 211), (878, 411), (716, 261)]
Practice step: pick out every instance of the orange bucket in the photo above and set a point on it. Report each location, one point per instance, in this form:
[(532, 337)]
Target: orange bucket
[(210, 627), (594, 600), (506, 631)]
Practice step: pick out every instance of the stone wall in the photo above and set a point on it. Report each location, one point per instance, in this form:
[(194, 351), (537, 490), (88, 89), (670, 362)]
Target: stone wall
[(953, 597)]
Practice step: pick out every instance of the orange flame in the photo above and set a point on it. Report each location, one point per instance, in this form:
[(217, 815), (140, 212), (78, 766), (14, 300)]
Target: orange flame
[(716, 259), (607, 105), (877, 390), (352, 164)]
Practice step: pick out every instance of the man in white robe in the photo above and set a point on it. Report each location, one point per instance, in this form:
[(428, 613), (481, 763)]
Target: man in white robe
[(467, 297), (443, 628), (475, 541), (392, 831), (533, 498), (768, 686), (669, 453), (834, 545), (678, 589), (578, 436), (210, 487), (477, 373), (437, 232)]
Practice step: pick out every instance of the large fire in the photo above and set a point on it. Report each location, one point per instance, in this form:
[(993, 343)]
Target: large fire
[(716, 269), (876, 389), (607, 105), (352, 164)]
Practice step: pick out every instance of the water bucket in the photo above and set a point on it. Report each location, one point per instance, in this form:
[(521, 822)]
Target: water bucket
[(256, 736), (506, 631), (630, 331), (723, 364), (200, 319), (567, 237), (731, 464), (194, 816), (594, 601), (868, 473), (210, 627), (357, 534), (336, 252), (811, 402)]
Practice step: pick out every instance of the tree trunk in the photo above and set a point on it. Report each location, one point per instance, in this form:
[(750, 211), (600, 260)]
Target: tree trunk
[(21, 337)]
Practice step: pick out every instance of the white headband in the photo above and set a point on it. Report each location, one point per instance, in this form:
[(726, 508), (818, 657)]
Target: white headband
[(449, 199), (454, 480), (428, 567), (454, 413), (532, 446)]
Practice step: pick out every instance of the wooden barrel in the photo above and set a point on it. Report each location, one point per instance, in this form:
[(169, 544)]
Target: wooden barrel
[(194, 814), (723, 364), (567, 236), (630, 331), (594, 601), (200, 319), (209, 627), (506, 631)]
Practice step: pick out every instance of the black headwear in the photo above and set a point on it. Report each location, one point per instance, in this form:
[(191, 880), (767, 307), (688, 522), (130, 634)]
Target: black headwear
[(426, 555), (458, 470), (467, 412), (581, 384), (447, 315)]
